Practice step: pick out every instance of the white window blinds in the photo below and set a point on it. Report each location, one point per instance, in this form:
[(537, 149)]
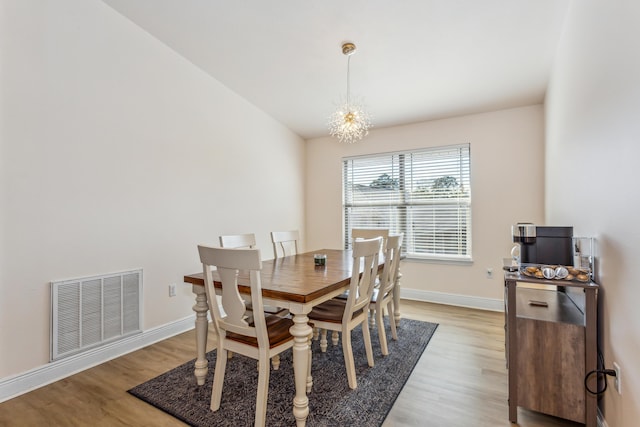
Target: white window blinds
[(424, 194)]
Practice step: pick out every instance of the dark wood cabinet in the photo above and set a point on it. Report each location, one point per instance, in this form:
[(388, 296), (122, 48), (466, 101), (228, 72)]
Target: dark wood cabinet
[(551, 345)]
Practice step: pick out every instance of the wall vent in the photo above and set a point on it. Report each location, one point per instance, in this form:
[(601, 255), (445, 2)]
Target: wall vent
[(93, 311)]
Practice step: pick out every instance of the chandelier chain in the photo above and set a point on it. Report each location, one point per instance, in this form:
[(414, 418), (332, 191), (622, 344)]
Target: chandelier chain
[(348, 78)]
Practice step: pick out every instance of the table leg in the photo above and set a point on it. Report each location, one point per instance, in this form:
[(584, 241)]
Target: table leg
[(396, 300), (301, 360), (202, 325)]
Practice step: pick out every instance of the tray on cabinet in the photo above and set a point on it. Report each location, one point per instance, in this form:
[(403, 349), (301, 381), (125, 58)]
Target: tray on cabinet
[(555, 272)]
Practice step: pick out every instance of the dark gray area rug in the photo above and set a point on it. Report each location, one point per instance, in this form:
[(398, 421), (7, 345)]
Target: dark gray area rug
[(331, 401)]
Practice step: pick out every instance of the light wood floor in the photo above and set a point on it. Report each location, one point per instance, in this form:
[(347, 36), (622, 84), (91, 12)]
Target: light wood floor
[(461, 380)]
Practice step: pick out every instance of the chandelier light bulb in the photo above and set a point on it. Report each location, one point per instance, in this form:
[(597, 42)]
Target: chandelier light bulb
[(350, 123)]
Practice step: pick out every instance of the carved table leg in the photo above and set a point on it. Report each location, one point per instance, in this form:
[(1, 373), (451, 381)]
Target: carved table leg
[(301, 332), (202, 325), (396, 300)]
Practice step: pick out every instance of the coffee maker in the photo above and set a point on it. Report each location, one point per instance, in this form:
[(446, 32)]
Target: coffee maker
[(544, 244)]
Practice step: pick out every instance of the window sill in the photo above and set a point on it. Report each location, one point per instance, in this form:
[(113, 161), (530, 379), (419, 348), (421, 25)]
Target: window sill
[(438, 260)]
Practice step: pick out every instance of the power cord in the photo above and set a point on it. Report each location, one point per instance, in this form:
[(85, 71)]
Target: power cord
[(610, 372)]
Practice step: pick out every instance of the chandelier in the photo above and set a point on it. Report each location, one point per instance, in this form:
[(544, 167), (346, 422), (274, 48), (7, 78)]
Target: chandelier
[(350, 123)]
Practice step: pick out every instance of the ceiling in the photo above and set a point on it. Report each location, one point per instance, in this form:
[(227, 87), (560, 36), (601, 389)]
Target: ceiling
[(417, 60)]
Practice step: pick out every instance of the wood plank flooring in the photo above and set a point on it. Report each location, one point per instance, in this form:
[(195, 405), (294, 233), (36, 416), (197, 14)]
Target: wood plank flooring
[(461, 380)]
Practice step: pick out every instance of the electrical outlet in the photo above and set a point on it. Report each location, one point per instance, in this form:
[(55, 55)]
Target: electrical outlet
[(617, 380), (489, 273), (172, 290)]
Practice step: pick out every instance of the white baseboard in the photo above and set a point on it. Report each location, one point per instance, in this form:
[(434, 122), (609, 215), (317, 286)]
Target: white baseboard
[(14, 386), (453, 299)]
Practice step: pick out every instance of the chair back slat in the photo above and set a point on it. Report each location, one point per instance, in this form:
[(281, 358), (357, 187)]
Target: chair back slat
[(238, 241), (370, 233)]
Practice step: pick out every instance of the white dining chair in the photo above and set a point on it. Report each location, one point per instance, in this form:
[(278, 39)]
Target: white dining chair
[(383, 295), (362, 233), (370, 233), (285, 243), (267, 336), (343, 315), (248, 241)]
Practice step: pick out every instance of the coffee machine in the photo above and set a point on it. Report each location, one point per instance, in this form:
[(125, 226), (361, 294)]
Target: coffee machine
[(544, 244)]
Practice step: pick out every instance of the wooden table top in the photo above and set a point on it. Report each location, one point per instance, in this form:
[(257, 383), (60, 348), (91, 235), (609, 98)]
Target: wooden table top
[(296, 278)]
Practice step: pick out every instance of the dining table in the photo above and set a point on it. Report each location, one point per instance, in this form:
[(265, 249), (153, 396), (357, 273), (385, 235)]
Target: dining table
[(297, 284)]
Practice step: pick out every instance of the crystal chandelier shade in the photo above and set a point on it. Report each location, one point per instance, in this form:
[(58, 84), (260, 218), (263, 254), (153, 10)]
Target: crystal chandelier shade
[(350, 123)]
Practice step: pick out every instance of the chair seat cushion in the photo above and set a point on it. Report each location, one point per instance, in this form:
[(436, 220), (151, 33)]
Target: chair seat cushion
[(269, 309), (330, 311), (277, 328), (344, 295)]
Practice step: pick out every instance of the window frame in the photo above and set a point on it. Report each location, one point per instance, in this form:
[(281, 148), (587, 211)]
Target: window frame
[(408, 202)]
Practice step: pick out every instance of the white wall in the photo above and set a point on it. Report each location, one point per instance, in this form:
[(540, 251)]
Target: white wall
[(116, 153), (507, 166), (592, 174)]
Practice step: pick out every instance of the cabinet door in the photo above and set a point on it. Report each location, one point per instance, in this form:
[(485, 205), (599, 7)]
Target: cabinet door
[(551, 366)]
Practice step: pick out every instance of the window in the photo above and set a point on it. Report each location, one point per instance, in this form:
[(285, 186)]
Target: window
[(424, 194)]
